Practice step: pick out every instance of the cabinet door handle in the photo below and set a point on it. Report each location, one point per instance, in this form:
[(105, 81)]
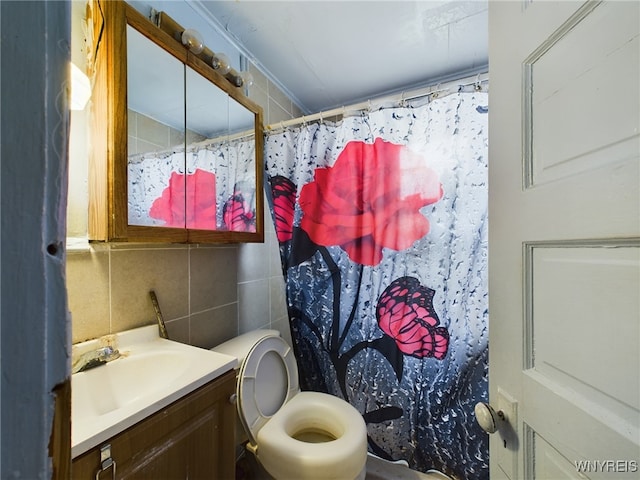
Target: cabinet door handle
[(105, 466), (107, 462)]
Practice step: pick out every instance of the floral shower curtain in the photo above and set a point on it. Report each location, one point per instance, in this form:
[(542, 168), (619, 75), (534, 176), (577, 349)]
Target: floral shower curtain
[(208, 186), (382, 225)]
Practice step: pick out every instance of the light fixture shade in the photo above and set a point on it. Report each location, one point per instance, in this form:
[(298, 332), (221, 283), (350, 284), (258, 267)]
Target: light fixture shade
[(247, 78), (221, 63), (80, 88), (193, 40)]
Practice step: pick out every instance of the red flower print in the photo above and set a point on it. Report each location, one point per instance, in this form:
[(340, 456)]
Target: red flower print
[(196, 209), (405, 313), (284, 197), (237, 215), (370, 199)]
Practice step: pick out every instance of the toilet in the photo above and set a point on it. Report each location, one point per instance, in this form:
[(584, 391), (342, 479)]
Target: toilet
[(293, 434)]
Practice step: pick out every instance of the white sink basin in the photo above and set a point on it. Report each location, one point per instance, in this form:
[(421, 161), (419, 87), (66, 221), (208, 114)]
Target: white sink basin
[(150, 374)]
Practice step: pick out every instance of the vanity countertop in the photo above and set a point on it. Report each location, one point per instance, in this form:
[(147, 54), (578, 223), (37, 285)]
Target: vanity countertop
[(150, 374)]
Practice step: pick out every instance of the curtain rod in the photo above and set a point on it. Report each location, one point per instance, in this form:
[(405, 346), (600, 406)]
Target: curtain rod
[(137, 157), (438, 89)]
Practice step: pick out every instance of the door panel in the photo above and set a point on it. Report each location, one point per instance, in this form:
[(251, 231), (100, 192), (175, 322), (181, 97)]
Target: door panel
[(567, 283), (551, 464), (567, 77), (564, 250)]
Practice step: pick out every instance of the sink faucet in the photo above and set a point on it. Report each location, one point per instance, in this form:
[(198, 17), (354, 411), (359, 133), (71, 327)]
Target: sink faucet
[(95, 358)]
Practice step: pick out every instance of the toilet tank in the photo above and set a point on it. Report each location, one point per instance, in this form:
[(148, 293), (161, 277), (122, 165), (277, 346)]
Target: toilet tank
[(240, 346)]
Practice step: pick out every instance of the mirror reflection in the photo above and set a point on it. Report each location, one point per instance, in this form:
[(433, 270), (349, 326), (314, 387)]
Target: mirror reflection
[(239, 207), (191, 147), (156, 130)]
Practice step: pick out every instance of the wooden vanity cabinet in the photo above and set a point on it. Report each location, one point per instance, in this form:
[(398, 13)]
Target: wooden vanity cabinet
[(191, 438)]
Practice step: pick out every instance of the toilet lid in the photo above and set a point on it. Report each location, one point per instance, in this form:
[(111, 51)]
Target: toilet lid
[(268, 378)]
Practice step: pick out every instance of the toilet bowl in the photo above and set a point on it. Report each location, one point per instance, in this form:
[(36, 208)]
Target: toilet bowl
[(294, 434)]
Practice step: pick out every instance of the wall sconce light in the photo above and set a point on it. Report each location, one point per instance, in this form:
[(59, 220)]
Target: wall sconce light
[(221, 62), (247, 78), (193, 40), (80, 88)]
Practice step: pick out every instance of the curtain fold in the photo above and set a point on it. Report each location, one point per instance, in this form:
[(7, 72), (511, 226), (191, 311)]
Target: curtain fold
[(382, 225)]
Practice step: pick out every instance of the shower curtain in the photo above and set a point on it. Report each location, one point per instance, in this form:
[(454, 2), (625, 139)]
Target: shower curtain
[(208, 186), (382, 225)]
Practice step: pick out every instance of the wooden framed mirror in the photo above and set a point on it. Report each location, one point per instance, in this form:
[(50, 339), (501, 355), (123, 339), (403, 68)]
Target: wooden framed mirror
[(177, 146)]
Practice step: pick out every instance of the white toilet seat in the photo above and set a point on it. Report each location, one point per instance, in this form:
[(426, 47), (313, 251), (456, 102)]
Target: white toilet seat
[(344, 457), (267, 380), (301, 435)]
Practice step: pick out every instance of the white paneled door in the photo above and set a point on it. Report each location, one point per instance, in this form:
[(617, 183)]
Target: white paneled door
[(564, 242)]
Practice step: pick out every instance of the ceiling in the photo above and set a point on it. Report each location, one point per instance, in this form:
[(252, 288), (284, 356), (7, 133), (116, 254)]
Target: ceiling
[(327, 54)]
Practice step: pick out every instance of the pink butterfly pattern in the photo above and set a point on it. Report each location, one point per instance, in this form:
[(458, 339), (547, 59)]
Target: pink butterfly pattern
[(237, 214), (405, 313), (284, 197)]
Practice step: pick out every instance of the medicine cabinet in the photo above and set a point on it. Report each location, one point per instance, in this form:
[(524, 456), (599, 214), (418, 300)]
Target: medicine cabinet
[(176, 146)]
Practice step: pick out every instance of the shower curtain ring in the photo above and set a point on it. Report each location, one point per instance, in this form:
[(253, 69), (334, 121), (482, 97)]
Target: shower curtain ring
[(478, 84)]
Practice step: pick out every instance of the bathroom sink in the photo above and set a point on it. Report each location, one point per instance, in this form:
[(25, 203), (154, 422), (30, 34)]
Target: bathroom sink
[(118, 383), (150, 373)]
